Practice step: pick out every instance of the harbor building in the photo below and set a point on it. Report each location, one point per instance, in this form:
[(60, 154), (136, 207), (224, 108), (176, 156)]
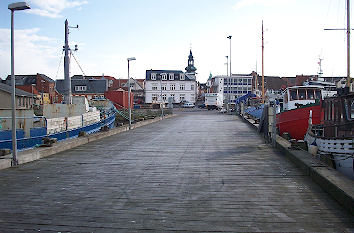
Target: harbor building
[(231, 87), (176, 85)]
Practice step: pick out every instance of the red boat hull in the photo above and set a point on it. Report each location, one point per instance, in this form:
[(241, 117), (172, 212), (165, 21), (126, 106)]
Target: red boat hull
[(296, 121)]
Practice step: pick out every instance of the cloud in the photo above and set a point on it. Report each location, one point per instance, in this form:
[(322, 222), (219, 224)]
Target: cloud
[(53, 8), (33, 53), (264, 3)]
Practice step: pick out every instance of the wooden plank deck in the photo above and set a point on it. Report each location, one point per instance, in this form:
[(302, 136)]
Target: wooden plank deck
[(197, 172)]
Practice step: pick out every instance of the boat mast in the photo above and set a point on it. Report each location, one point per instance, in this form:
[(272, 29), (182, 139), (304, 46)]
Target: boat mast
[(348, 44), (67, 79), (263, 94)]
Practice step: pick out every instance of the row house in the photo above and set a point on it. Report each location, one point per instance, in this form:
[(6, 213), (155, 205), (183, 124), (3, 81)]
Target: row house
[(114, 85), (81, 86), (160, 85), (37, 83), (96, 88)]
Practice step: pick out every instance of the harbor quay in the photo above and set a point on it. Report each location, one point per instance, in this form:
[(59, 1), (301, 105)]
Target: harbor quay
[(199, 171)]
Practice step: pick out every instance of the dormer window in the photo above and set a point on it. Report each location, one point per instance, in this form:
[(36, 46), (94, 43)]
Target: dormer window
[(80, 88), (153, 76), (171, 76), (164, 76), (181, 76)]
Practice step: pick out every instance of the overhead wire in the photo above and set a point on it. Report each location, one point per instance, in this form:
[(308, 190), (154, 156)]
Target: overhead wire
[(78, 64), (59, 64)]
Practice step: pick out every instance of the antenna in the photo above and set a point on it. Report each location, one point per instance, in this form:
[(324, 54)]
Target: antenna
[(320, 71)]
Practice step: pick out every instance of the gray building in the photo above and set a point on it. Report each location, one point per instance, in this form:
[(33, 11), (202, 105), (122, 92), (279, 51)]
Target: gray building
[(82, 86), (24, 100)]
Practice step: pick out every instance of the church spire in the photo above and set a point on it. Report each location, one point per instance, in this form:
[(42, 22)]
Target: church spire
[(190, 68)]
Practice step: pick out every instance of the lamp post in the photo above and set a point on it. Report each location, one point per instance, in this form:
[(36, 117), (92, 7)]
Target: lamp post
[(129, 105), (228, 91), (162, 102), (14, 7), (32, 95), (42, 83)]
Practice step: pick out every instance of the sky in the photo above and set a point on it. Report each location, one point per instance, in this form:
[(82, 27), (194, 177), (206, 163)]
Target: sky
[(160, 33)]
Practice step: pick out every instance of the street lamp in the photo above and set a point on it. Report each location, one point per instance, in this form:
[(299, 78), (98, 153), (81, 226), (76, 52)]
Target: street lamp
[(32, 94), (14, 7), (162, 102), (129, 107), (228, 101), (42, 84)]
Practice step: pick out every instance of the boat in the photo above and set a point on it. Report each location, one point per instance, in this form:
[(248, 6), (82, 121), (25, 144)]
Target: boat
[(58, 121), (298, 101), (333, 138)]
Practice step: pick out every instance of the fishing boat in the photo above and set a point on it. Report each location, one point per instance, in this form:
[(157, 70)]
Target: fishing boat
[(298, 101), (57, 121)]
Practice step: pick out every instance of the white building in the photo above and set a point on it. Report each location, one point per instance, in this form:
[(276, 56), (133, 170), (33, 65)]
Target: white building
[(160, 85), (232, 87)]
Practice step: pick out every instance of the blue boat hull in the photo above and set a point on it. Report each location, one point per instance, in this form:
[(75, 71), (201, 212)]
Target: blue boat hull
[(39, 133)]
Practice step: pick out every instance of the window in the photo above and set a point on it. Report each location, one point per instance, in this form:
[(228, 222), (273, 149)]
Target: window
[(164, 97), (154, 97), (302, 94), (310, 94), (182, 97), (80, 88), (171, 76), (182, 86), (172, 87), (192, 87), (318, 94), (181, 76), (173, 97), (349, 108), (164, 88), (153, 76), (154, 87), (164, 76), (192, 98), (293, 95)]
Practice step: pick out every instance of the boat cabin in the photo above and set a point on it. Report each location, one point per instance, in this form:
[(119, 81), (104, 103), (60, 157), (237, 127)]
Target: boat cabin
[(338, 117), (298, 96)]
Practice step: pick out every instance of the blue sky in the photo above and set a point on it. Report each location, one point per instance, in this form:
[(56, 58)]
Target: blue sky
[(159, 34)]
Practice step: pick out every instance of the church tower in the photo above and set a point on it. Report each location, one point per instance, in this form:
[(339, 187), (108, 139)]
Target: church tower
[(190, 68)]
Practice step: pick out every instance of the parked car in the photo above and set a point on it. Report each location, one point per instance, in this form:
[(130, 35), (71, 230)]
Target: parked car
[(201, 106), (188, 105), (223, 110)]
